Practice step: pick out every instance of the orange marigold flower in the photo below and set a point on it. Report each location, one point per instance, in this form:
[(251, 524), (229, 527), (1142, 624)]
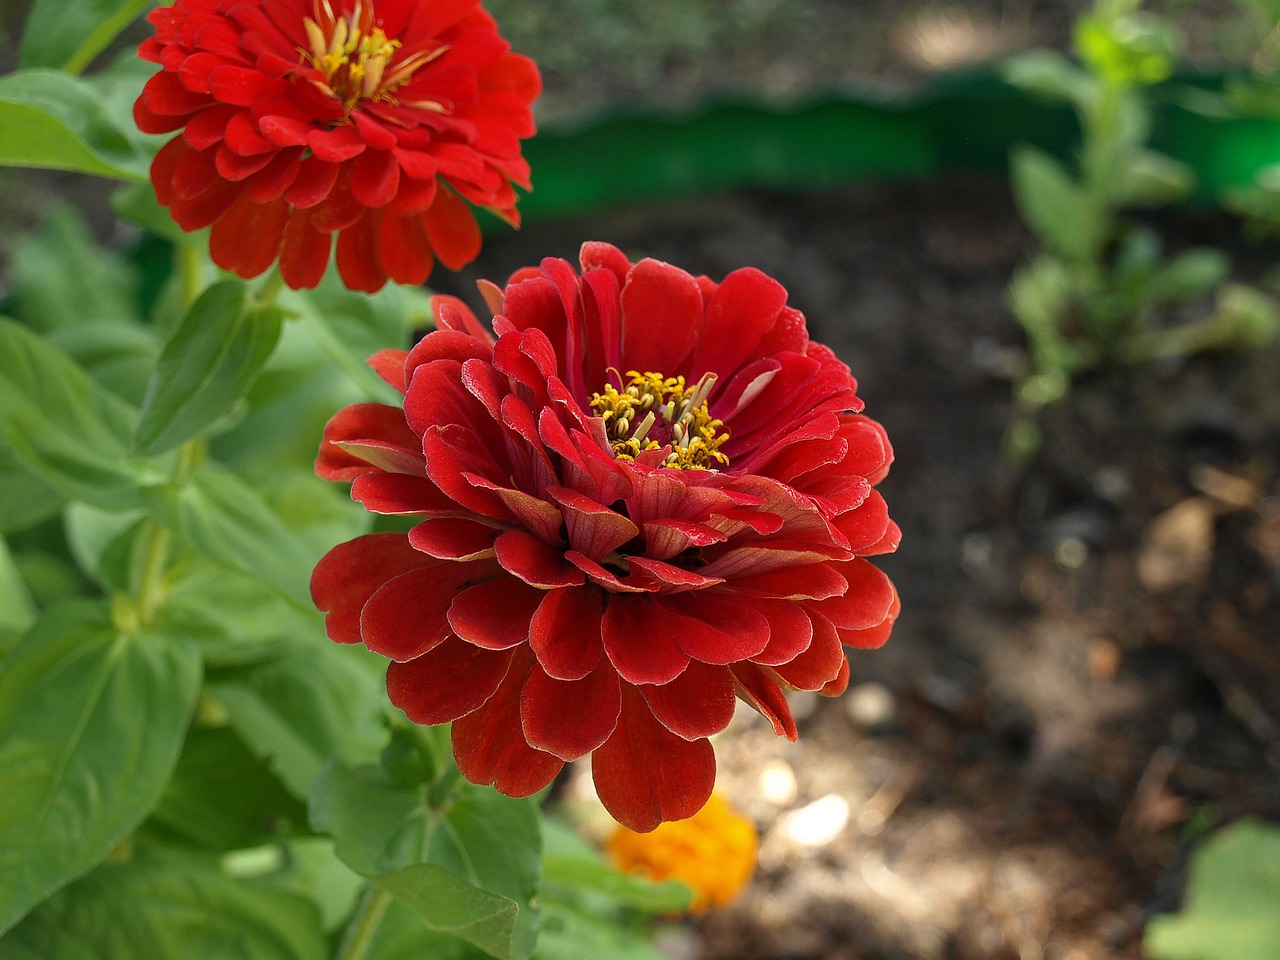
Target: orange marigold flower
[(376, 120), (713, 852)]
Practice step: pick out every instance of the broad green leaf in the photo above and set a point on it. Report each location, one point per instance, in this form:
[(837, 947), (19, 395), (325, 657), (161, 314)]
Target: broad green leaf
[(223, 518), (319, 512), (449, 904), (61, 425), (579, 935), (402, 935), (67, 34), (570, 862), (91, 721), (25, 499), (51, 120), (351, 327), (119, 356), (63, 279), (223, 798), (101, 541), (318, 703), (240, 619), (485, 842), (1055, 205), (17, 610), (207, 366), (1232, 894), (186, 910), (311, 869)]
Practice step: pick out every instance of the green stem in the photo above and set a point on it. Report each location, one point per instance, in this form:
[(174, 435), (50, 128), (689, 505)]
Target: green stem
[(190, 262), (155, 551), (266, 294), (364, 925)]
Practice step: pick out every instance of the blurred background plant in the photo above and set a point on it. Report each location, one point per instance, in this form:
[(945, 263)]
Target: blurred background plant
[(1102, 291)]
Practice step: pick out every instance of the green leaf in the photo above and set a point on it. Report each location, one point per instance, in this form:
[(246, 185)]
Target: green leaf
[(55, 121), (101, 541), (578, 935), (119, 356), (91, 722), (1189, 276), (490, 845), (17, 610), (25, 499), (402, 935), (1151, 179), (221, 797), (448, 904), (1047, 74), (1055, 205), (61, 425), (221, 517), (63, 279), (351, 327), (67, 34), (1232, 892), (207, 366), (297, 713), (179, 909), (569, 861), (313, 870)]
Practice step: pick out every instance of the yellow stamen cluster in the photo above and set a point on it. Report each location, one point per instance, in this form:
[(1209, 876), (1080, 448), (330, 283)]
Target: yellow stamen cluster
[(652, 411), (355, 56)]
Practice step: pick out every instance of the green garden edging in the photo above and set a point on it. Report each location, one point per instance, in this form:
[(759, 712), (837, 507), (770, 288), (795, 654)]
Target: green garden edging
[(963, 123)]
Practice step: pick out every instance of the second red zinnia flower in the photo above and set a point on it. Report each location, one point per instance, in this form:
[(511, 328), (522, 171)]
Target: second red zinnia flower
[(646, 496), (378, 121)]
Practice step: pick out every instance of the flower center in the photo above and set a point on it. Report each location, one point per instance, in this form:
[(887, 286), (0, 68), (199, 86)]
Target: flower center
[(355, 56), (652, 411)]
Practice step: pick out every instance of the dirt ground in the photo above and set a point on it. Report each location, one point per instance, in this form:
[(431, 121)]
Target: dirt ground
[(1084, 679)]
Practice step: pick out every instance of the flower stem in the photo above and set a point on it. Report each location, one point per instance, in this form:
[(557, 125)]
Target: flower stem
[(364, 925), (190, 263), (155, 552)]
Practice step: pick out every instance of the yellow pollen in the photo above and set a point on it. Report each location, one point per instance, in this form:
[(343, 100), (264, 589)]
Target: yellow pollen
[(355, 55), (651, 412)]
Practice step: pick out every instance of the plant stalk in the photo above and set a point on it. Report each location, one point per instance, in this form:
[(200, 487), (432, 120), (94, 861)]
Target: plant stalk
[(364, 925)]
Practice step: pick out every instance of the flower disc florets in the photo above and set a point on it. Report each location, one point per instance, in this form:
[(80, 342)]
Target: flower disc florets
[(377, 121), (605, 562)]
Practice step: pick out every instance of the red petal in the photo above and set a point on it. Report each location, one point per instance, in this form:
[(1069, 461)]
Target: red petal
[(453, 231), (758, 689), (373, 437), (375, 177), (528, 558), (490, 748), (246, 239), (349, 574), (305, 255), (404, 249), (570, 718), (357, 256), (453, 538), (594, 530), (790, 631), (867, 601), (565, 632), (698, 703), (661, 316), (820, 663), (399, 493), (494, 615), (743, 309), (639, 640), (716, 629), (447, 682), (408, 616), (645, 774)]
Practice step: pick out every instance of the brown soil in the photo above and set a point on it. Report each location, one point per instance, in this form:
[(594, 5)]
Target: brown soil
[(1084, 679)]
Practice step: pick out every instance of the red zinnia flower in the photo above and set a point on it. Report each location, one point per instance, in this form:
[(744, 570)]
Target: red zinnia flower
[(371, 119), (648, 494)]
